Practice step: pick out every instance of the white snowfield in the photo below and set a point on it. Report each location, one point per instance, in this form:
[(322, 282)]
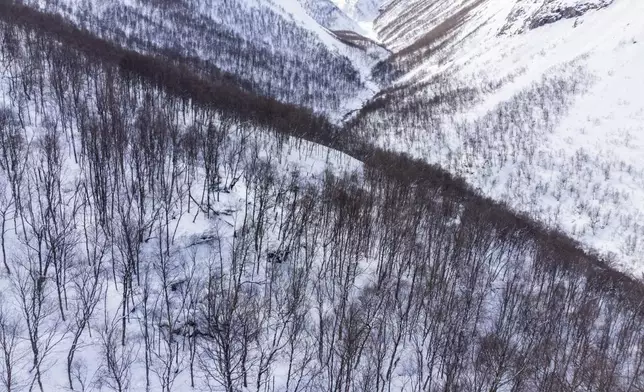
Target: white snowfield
[(556, 124), (360, 10)]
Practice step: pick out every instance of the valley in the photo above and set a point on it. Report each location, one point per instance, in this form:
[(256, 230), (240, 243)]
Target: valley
[(282, 195)]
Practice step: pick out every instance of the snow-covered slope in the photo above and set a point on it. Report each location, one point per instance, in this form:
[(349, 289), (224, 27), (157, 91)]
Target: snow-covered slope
[(164, 231), (361, 10), (273, 47), (537, 103), (72, 314), (402, 23), (538, 13), (330, 16)]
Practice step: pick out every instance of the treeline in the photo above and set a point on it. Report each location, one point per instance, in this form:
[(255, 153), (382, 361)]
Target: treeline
[(146, 225)]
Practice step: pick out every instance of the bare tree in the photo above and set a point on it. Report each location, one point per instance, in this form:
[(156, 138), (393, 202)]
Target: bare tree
[(116, 369), (43, 326), (6, 203), (87, 281), (11, 361)]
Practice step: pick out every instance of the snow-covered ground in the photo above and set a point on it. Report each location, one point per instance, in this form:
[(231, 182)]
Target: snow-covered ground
[(157, 239), (556, 127), (329, 15), (587, 142), (362, 11), (85, 314), (274, 46)]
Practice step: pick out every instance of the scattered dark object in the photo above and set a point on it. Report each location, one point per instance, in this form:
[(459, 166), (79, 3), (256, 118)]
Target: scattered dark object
[(278, 256)]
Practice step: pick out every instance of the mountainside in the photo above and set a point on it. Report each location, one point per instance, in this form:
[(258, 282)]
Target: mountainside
[(533, 102), (274, 47), (193, 199), (361, 10), (330, 16)]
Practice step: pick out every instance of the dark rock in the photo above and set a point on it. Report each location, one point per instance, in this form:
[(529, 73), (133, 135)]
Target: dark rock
[(554, 14)]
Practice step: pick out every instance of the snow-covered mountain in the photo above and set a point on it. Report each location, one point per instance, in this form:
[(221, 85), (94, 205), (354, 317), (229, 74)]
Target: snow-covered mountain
[(175, 217), (329, 15), (361, 10), (401, 23), (273, 47), (535, 103)]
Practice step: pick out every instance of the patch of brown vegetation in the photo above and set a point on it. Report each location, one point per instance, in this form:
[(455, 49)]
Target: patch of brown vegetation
[(438, 33)]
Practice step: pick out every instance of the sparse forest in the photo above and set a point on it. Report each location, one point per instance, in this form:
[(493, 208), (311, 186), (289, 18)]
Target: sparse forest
[(521, 110), (256, 47), (512, 151), (163, 229)]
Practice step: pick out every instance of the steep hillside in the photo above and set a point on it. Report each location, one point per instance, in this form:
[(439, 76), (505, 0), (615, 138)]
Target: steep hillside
[(534, 103), (165, 230), (329, 15), (361, 10), (274, 48)]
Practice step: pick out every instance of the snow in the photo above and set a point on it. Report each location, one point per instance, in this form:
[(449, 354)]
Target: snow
[(294, 10), (593, 149), (327, 14), (240, 22), (361, 10), (580, 171), (287, 156), (369, 30), (363, 62), (599, 131)]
